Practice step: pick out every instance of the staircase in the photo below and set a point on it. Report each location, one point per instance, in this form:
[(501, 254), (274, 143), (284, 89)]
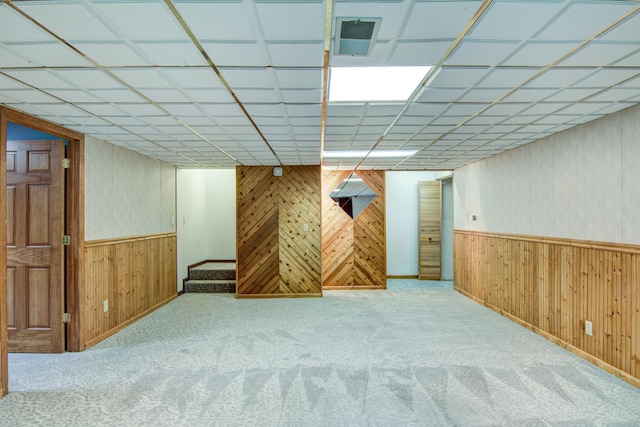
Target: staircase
[(211, 277)]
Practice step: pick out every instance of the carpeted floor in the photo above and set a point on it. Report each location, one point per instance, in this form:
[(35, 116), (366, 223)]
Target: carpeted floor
[(409, 357)]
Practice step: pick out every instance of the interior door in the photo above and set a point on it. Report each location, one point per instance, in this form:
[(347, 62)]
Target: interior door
[(430, 230), (35, 254)]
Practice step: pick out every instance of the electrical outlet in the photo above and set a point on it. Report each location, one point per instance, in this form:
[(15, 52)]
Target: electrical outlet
[(305, 227), (105, 305), (588, 328)]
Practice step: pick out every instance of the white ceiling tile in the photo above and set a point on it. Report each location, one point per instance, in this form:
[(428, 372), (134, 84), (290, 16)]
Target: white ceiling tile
[(431, 94), (481, 52), (572, 94), (240, 53), (103, 110), (117, 95), (56, 17), (182, 109), (613, 95), (193, 78), (142, 78), (559, 78), (499, 22), (219, 20), (537, 53), (11, 57), (625, 31), (483, 95), (301, 95), (585, 108), (439, 19), (142, 21), (247, 78), (304, 110), (546, 108), (529, 95), (632, 60), (309, 54), (465, 109), (299, 78), (612, 108), (74, 95), (507, 77), (222, 109), (209, 95), (52, 54), (257, 95), (178, 53), (141, 109), (16, 28), (111, 54), (419, 52), (459, 77), (427, 110), (165, 95), (264, 110), (600, 54), (292, 21), (88, 79), (607, 77), (42, 79), (584, 20)]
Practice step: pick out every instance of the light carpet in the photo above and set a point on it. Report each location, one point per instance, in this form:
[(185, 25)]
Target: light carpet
[(423, 357)]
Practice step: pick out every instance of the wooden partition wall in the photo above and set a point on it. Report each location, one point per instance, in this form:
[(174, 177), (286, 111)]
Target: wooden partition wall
[(278, 232), (354, 250), (553, 286), (135, 275)]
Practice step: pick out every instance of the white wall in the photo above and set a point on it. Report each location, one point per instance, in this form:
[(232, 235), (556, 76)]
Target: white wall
[(582, 183), (206, 216), (402, 220), (126, 194)]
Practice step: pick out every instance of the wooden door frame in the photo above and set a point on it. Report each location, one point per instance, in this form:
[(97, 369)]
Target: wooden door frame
[(74, 225)]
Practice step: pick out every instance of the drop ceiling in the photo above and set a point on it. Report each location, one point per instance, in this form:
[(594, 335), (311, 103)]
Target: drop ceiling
[(215, 84)]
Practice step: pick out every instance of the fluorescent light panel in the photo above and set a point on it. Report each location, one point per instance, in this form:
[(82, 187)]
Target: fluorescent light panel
[(365, 153), (370, 84)]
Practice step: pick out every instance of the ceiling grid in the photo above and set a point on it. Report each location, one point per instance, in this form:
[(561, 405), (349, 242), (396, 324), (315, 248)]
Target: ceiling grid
[(215, 84)]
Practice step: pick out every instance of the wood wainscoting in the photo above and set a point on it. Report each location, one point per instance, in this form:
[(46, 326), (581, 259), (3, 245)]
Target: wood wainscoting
[(135, 275), (354, 250), (278, 232), (553, 286)]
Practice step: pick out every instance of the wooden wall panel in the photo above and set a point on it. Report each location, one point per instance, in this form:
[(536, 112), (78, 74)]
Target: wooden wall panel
[(553, 286), (275, 256), (136, 275), (354, 250)]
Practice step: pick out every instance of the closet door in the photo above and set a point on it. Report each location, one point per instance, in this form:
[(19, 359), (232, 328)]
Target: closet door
[(430, 230)]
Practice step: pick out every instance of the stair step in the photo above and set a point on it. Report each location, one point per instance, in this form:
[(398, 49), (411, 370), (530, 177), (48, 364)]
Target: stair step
[(210, 286), (213, 271)]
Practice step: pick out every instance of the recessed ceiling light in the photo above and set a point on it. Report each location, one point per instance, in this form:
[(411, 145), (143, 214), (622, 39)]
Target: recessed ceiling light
[(370, 84), (365, 153)]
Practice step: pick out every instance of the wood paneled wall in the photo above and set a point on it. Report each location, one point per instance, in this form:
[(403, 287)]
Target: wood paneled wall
[(276, 257), (354, 250), (136, 275), (553, 286)]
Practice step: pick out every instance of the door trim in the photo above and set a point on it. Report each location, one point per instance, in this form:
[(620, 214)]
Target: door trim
[(74, 224)]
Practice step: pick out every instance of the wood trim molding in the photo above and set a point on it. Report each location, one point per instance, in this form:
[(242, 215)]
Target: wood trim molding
[(128, 239), (588, 244)]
